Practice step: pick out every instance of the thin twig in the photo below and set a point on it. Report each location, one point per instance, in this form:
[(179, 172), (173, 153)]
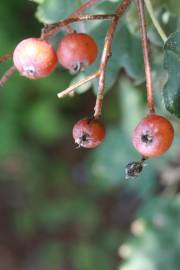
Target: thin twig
[(7, 75), (55, 27), (105, 56), (6, 57), (149, 86), (73, 87), (157, 25), (52, 29)]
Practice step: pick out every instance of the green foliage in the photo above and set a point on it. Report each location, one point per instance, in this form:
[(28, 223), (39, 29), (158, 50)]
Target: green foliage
[(125, 55), (152, 248), (52, 11), (70, 208), (108, 170), (172, 64), (129, 51), (173, 5)]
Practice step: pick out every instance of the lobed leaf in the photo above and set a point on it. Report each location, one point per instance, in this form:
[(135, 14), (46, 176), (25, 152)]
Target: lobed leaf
[(171, 93)]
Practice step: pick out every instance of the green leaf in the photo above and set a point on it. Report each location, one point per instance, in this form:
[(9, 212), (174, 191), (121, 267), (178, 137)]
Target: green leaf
[(54, 10), (172, 5), (171, 91), (168, 22), (126, 54), (50, 11)]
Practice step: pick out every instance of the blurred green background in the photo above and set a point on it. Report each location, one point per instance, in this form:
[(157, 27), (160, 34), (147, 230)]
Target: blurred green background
[(63, 208)]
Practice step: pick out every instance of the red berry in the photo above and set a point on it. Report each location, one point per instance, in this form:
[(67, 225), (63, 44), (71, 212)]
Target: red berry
[(88, 133), (34, 58), (153, 136), (76, 51)]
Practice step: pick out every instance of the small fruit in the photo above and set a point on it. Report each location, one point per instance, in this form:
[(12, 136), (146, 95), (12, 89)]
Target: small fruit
[(153, 136), (34, 58), (88, 133), (76, 51)]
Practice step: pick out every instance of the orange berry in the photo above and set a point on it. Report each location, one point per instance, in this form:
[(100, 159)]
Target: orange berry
[(34, 58), (153, 136), (88, 133), (76, 51)]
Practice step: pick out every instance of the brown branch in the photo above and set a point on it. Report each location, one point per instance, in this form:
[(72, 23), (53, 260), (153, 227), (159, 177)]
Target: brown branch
[(6, 57), (7, 75), (149, 86), (73, 87), (52, 29), (49, 30), (106, 54)]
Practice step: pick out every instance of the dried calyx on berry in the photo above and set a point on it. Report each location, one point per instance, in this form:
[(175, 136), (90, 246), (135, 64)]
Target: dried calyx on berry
[(88, 132), (134, 168)]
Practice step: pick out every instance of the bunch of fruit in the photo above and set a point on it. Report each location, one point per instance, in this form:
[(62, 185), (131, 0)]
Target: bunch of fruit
[(35, 58)]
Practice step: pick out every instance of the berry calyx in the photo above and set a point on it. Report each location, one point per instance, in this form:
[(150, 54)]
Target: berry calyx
[(76, 51), (34, 58), (88, 133), (153, 136), (134, 168)]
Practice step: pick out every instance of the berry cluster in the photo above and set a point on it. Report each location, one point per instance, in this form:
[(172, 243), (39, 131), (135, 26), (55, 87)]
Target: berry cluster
[(35, 58)]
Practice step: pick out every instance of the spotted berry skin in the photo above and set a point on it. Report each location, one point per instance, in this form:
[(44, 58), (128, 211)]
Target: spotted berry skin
[(34, 58), (88, 133), (76, 51), (153, 136)]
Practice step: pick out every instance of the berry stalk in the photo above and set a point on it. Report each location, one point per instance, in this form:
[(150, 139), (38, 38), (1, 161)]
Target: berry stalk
[(144, 40), (157, 25), (106, 54), (7, 75), (6, 57), (73, 87)]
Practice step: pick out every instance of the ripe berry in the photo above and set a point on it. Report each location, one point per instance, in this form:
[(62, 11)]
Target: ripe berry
[(153, 136), (76, 51), (34, 58), (88, 133)]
